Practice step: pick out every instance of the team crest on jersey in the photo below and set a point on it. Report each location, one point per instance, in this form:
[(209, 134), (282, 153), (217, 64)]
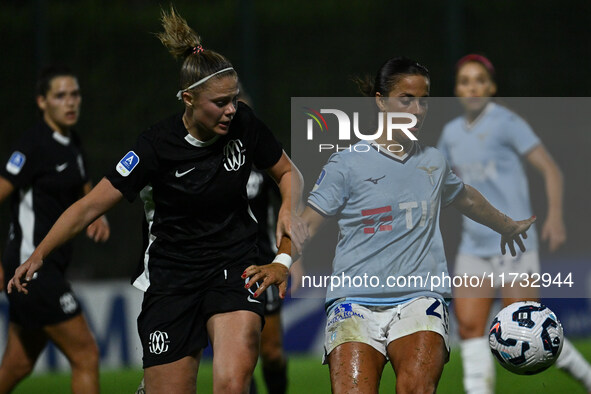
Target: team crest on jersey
[(128, 163), (234, 156), (429, 171), (16, 162), (319, 180)]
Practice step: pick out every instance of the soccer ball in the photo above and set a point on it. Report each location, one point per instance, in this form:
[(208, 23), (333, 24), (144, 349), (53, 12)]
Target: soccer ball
[(526, 337)]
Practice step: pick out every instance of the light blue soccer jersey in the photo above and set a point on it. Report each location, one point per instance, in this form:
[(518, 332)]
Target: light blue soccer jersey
[(388, 217), (488, 156)]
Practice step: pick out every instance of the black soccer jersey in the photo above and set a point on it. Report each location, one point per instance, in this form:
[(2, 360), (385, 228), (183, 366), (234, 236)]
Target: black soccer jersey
[(194, 196), (48, 172)]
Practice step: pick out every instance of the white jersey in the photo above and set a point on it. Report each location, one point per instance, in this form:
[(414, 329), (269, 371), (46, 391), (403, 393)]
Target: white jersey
[(388, 217), (488, 155)]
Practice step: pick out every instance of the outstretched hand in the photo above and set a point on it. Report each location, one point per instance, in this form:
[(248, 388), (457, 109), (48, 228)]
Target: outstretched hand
[(514, 237), (25, 271)]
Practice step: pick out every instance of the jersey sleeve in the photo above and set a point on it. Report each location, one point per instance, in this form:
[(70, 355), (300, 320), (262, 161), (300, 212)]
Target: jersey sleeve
[(22, 164), (452, 186), (135, 169), (520, 135), (330, 191)]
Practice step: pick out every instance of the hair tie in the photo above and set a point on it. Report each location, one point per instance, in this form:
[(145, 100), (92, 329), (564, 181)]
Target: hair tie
[(197, 49)]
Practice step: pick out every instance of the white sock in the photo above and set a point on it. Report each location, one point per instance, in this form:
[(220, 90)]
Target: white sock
[(479, 367), (573, 363)]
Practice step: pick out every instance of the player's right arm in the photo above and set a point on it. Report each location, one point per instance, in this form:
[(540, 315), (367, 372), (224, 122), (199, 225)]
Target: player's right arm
[(74, 219), (6, 189)]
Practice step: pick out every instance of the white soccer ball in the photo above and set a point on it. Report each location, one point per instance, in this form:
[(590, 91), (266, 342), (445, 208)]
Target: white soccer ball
[(526, 337)]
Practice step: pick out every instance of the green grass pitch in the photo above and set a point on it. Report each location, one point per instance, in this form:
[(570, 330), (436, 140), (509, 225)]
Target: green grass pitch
[(306, 375)]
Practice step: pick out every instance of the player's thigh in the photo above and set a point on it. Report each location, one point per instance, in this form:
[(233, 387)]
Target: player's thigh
[(418, 361), (355, 367), (23, 347), (177, 377), (235, 338), (418, 343), (474, 277), (74, 339), (521, 272), (472, 316)]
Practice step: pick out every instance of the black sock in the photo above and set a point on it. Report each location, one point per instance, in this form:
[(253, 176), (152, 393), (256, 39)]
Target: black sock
[(253, 386), (276, 378)]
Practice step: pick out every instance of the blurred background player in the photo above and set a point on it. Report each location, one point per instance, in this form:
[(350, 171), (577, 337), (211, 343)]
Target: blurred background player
[(387, 204), (44, 175), (262, 192), (263, 199), (487, 147)]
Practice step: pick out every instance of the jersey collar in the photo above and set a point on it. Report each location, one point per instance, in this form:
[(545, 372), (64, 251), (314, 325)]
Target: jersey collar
[(198, 143), (401, 159), (62, 139), (489, 107)]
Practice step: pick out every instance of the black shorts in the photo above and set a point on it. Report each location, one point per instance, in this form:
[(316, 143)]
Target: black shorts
[(50, 300), (173, 326), (273, 303)]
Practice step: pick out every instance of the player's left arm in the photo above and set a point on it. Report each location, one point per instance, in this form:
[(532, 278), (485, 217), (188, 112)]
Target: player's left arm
[(553, 229), (275, 273), (290, 182), (99, 230), (473, 204)]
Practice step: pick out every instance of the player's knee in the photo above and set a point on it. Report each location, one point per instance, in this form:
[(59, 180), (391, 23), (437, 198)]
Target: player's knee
[(236, 384), (18, 369), (271, 354), (86, 357), (415, 383), (469, 330)]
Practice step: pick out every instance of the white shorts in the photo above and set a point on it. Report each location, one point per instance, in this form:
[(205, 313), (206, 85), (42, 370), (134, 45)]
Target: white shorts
[(499, 266), (377, 326)]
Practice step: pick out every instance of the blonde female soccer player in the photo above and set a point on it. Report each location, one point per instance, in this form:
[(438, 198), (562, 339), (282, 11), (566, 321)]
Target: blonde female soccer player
[(191, 171)]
